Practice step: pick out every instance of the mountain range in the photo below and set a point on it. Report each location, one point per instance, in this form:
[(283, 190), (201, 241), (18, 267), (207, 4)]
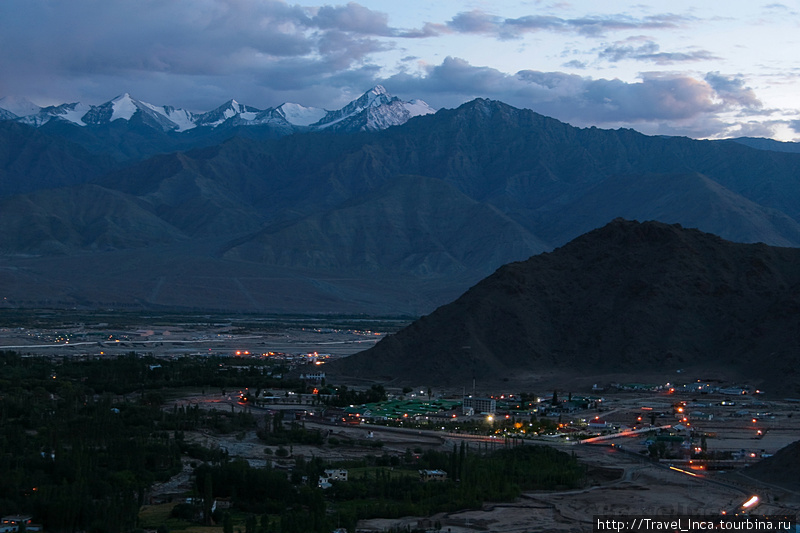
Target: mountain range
[(379, 207), (376, 109), (625, 302)]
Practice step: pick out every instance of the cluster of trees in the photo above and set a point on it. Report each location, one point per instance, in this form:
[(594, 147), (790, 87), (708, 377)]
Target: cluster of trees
[(286, 504), (191, 417), (74, 459), (344, 396), (274, 432), (474, 476), (136, 372), (77, 456), (375, 490)]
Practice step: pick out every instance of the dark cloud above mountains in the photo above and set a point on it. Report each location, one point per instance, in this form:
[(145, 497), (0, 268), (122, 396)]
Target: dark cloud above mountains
[(477, 21), (199, 53), (96, 50), (354, 18), (84, 44), (182, 36), (733, 90), (656, 98), (644, 49)]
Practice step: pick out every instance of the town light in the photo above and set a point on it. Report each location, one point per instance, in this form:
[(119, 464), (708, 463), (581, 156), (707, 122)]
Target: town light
[(751, 502)]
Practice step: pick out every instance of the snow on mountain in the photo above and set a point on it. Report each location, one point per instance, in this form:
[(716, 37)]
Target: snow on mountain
[(376, 109), (418, 108), (298, 115), (120, 107), (123, 107), (18, 106), (229, 110), (375, 97), (71, 112), (182, 118)]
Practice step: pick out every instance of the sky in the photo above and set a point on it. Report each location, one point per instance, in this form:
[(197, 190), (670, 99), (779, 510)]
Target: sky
[(708, 69)]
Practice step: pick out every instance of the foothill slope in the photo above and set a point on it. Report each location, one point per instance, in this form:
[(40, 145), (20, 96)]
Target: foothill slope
[(628, 300)]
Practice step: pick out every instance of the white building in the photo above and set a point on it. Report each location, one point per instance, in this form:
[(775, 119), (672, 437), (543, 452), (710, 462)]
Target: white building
[(479, 405), (332, 474), (432, 475)]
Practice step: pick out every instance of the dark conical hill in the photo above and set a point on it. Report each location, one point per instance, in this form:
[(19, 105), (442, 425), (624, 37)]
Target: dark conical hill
[(627, 299), (781, 469)]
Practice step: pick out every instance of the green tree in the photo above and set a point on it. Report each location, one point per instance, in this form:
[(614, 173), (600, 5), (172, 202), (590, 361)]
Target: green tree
[(208, 499), (250, 524), (227, 523)]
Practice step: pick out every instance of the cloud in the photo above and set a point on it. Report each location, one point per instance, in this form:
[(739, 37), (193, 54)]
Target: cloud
[(794, 125), (480, 22), (92, 49), (580, 65), (199, 53), (752, 129), (429, 29), (475, 21), (691, 105), (353, 18), (732, 90), (203, 37), (597, 26), (650, 51)]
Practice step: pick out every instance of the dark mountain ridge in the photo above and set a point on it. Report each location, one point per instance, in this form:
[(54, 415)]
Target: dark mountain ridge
[(130, 130), (32, 160), (782, 469), (628, 299), (527, 165), (376, 205)]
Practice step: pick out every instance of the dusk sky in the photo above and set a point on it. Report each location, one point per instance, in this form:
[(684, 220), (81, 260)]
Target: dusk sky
[(703, 69)]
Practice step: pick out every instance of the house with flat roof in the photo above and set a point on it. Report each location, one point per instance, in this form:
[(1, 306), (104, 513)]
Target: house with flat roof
[(479, 405), (331, 474), (432, 475)]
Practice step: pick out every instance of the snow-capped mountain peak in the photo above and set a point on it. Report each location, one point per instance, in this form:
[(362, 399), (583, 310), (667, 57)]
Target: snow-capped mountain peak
[(298, 115), (124, 107), (379, 90), (19, 106), (374, 110), (182, 118), (70, 112), (418, 108), (230, 110)]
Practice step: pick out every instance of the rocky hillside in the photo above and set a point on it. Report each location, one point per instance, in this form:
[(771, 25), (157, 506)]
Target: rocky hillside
[(781, 469), (628, 299)]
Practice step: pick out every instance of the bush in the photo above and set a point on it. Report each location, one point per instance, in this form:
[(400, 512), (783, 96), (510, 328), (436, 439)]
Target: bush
[(185, 511)]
